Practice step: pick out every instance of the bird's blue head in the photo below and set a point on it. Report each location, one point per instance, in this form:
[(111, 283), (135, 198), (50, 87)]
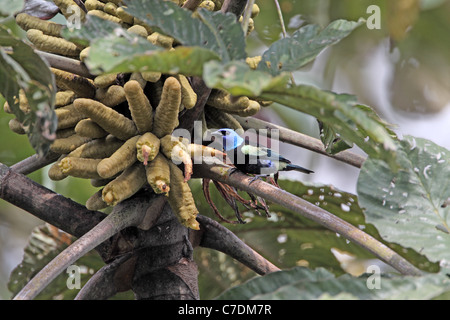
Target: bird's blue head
[(230, 139)]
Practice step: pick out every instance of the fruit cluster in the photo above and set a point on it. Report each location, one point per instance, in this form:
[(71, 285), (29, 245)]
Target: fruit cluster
[(115, 129)]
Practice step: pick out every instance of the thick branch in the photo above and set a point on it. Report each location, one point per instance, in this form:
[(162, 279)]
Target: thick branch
[(34, 162), (301, 140), (126, 214), (45, 204), (102, 284), (77, 220), (310, 211)]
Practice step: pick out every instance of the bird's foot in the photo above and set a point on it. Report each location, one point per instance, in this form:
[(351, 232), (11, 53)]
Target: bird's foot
[(273, 181), (257, 177)]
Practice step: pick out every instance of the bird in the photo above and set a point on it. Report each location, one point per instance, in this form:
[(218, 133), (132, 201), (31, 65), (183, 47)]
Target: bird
[(258, 160)]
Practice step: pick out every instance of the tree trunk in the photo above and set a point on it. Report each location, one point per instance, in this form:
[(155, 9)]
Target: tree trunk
[(164, 269)]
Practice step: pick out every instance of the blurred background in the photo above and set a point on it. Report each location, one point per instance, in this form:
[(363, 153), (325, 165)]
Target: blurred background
[(402, 70)]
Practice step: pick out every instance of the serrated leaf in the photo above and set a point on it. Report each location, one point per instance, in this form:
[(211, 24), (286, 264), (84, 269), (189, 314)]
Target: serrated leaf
[(114, 49), (331, 139), (121, 54), (216, 31), (302, 283), (290, 54), (408, 207), (22, 69), (286, 238), (228, 33)]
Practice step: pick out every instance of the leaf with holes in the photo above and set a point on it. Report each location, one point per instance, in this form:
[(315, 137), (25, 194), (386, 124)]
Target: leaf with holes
[(288, 239), (409, 207)]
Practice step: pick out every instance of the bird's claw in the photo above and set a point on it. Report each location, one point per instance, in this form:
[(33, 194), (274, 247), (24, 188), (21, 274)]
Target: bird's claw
[(254, 179)]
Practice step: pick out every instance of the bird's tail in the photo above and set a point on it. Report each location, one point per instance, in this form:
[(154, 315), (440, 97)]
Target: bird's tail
[(291, 166)]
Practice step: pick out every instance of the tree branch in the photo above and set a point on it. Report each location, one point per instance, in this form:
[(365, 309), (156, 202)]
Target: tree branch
[(310, 211), (34, 162), (102, 284), (217, 237), (247, 14), (77, 220), (301, 140), (66, 64), (191, 4), (45, 204), (126, 214), (234, 6)]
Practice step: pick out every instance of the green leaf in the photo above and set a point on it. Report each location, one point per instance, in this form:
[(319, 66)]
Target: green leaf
[(228, 34), (237, 78), (9, 7), (216, 31), (114, 49), (354, 123), (22, 68), (290, 54), (122, 54), (408, 206), (302, 283), (332, 140), (287, 239), (92, 29)]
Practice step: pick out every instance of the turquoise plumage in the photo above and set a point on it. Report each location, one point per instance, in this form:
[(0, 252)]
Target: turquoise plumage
[(257, 160)]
